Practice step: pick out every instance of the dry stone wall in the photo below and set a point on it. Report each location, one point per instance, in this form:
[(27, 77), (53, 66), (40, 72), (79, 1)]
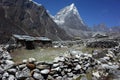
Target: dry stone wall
[(67, 67)]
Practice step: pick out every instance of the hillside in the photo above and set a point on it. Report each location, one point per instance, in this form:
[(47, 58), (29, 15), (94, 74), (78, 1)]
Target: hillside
[(27, 17)]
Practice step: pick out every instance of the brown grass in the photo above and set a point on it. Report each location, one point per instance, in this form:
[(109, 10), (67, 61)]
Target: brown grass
[(41, 54)]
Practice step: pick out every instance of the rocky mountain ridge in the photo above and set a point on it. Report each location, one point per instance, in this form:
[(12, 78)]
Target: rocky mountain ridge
[(103, 28), (27, 17)]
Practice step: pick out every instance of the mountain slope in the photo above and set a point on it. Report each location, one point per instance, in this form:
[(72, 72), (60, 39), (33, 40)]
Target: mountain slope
[(69, 19), (112, 31), (100, 27), (27, 17)]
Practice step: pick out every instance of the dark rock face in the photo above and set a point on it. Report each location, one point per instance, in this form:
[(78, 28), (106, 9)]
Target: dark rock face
[(26, 17), (102, 44)]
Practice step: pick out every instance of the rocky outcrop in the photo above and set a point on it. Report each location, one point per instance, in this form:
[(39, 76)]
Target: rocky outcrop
[(27, 17)]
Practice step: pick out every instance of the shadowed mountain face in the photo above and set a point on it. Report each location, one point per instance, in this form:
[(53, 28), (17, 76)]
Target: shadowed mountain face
[(27, 17)]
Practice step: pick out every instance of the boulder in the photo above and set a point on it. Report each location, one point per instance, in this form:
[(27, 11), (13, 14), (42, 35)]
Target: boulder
[(44, 66), (11, 77), (37, 76), (45, 71), (57, 59), (31, 66), (23, 74), (96, 74), (12, 71), (25, 61), (55, 65), (31, 60), (8, 64), (78, 67)]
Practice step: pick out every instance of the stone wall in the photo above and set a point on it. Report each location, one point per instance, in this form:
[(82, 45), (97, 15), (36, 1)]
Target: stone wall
[(67, 67), (62, 68), (102, 44)]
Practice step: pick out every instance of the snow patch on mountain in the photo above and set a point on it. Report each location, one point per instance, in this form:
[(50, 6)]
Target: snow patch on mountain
[(36, 3)]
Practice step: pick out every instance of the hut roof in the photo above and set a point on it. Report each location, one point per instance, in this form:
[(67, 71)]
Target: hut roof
[(43, 38), (30, 38), (24, 37)]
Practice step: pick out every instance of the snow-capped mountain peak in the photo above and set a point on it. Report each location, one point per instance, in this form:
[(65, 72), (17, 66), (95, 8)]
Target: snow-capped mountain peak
[(74, 10), (68, 12), (69, 19), (72, 6), (71, 9)]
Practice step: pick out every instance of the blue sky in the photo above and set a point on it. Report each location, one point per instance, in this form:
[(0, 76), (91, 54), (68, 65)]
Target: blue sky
[(92, 11)]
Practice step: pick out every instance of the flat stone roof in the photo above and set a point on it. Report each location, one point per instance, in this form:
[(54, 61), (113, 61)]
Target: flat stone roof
[(30, 38)]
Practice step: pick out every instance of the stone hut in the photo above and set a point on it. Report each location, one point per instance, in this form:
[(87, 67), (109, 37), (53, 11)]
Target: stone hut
[(43, 41), (30, 42), (24, 40)]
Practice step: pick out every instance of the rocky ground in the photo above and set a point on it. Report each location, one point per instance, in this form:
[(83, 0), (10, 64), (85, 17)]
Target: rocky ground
[(74, 65)]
